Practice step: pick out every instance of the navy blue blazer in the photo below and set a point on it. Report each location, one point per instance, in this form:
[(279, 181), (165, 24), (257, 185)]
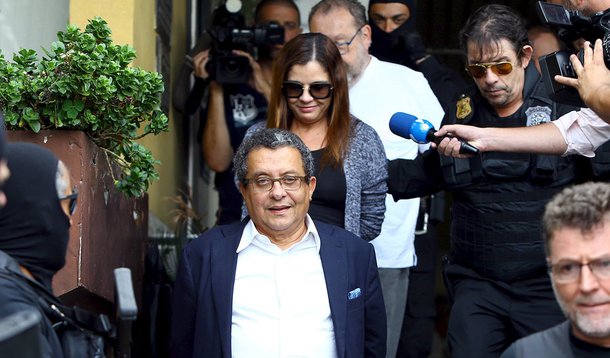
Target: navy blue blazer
[(203, 293)]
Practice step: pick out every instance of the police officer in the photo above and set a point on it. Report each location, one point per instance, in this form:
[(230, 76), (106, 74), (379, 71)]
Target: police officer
[(580, 132), (395, 39), (495, 273)]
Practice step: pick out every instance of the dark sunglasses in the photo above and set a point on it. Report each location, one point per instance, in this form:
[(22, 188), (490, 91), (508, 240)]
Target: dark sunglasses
[(72, 197), (318, 90), (479, 70)]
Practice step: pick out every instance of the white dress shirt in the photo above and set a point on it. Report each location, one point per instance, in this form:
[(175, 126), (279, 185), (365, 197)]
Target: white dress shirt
[(383, 89), (584, 131), (280, 301)]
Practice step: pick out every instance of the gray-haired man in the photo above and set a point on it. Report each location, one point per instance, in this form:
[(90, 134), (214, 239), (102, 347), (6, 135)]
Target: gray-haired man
[(577, 241), (277, 283)]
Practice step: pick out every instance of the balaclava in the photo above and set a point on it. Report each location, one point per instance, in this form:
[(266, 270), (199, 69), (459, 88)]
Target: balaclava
[(391, 46), (34, 229)]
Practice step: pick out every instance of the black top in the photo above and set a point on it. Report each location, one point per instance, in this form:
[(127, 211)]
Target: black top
[(328, 203), (584, 349)]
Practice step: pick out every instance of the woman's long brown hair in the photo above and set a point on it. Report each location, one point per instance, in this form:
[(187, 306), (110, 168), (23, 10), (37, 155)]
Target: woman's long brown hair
[(299, 51)]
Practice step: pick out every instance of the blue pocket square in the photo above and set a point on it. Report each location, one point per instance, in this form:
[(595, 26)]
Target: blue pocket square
[(353, 294)]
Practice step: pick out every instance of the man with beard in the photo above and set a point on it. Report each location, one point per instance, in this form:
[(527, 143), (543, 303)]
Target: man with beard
[(577, 240), (495, 272), (233, 108), (377, 90)]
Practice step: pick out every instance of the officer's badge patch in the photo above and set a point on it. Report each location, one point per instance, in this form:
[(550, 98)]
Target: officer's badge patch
[(463, 107), (538, 115)]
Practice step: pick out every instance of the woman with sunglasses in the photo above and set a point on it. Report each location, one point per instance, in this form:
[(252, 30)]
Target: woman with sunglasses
[(309, 97), (34, 231)]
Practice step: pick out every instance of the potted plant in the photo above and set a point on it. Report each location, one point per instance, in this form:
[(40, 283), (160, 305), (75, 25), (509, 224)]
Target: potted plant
[(85, 102), (84, 82)]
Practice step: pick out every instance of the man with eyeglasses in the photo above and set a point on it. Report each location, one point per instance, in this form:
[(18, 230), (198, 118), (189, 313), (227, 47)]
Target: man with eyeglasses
[(495, 273), (377, 90), (277, 284), (577, 241)]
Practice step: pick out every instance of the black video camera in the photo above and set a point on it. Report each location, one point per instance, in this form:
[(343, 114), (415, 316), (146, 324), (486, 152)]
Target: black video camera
[(228, 32), (571, 26)]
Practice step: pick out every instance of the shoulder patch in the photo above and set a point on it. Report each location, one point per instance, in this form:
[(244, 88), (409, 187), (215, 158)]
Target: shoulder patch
[(463, 107), (538, 115)]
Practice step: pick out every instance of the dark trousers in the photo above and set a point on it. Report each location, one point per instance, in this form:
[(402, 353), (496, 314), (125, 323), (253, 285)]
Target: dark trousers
[(420, 314), (486, 316)]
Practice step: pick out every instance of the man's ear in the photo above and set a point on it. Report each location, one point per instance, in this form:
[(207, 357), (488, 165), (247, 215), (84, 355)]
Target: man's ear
[(242, 189), (312, 186), (526, 55), (367, 35)]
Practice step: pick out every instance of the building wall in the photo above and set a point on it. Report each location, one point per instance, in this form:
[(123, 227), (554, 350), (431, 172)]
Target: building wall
[(20, 27), (133, 22)]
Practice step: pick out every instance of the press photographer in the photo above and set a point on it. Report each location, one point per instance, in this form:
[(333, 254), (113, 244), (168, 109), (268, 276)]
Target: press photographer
[(592, 75), (578, 22), (239, 85), (229, 34)]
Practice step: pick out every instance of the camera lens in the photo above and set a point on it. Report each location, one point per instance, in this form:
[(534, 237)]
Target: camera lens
[(232, 69)]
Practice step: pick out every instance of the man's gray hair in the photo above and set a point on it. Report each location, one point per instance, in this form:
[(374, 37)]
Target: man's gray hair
[(584, 206), (271, 138), (355, 8)]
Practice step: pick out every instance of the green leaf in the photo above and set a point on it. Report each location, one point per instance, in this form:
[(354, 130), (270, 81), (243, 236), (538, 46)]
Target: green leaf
[(35, 126), (85, 82)]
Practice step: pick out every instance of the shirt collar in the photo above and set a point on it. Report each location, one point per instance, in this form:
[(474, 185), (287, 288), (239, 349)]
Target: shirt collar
[(250, 233)]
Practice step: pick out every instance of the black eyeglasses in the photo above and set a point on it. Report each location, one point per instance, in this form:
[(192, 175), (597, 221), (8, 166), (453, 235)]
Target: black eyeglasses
[(344, 46), (479, 70), (318, 90), (72, 197)]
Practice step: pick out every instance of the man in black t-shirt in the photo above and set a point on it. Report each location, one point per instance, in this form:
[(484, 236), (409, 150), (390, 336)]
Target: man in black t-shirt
[(233, 108), (495, 272)]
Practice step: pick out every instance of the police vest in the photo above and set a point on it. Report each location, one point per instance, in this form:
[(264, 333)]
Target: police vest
[(499, 198)]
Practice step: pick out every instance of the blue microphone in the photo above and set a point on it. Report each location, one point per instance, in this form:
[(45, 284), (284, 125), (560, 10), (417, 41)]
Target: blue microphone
[(422, 131)]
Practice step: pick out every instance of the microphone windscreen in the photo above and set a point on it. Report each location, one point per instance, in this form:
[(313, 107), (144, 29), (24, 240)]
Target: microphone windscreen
[(420, 131), (400, 124)]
